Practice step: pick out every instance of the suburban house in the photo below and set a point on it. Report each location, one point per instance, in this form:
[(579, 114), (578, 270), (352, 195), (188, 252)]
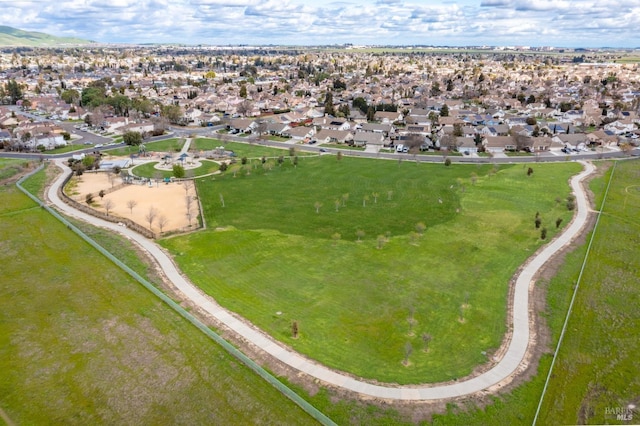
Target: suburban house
[(299, 133), (388, 116), (603, 137), (497, 144), (242, 125), (466, 145), (573, 140), (333, 136), (368, 139)]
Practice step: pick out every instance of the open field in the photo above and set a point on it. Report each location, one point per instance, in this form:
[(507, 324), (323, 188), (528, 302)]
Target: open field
[(395, 305), (82, 343), (597, 367), (249, 150)]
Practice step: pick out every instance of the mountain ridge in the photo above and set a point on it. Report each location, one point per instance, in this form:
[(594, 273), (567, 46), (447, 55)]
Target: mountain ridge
[(14, 37)]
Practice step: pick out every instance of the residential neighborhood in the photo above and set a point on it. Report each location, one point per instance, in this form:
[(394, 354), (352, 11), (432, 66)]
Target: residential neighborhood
[(490, 104)]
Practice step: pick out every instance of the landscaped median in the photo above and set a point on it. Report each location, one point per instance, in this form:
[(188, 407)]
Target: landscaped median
[(393, 272)]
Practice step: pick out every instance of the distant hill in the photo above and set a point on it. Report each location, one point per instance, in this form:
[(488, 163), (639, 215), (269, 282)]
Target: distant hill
[(14, 37)]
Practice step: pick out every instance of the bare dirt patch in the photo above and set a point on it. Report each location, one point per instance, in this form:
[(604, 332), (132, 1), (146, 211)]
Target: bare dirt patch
[(168, 199)]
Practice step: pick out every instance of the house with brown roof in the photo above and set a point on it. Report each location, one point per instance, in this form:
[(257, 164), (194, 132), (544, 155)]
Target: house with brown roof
[(333, 136), (368, 139), (497, 144)]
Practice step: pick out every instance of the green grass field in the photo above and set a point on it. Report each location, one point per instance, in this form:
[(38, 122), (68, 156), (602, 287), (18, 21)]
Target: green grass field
[(82, 343), (249, 150), (10, 167), (148, 170), (597, 367), (166, 145), (365, 306)]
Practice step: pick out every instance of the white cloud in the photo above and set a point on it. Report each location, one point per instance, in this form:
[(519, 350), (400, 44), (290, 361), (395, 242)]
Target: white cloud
[(589, 23)]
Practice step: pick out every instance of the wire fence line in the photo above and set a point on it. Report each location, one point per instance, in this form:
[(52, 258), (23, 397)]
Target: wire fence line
[(573, 298), (248, 362)]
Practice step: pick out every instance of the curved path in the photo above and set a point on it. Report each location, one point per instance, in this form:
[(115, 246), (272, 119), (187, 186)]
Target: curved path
[(504, 369)]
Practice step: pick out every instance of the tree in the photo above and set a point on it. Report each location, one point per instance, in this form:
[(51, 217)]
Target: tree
[(162, 222), (543, 234), (426, 339), (317, 206), (132, 138), (328, 104), (131, 204), (361, 104), (336, 237), (345, 198), (538, 222), (88, 198), (360, 234), (243, 91), (294, 329), (13, 91), (151, 215), (178, 171), (189, 207), (339, 156), (408, 349), (558, 222), (173, 113), (381, 240), (108, 205), (420, 228), (444, 111), (102, 193), (375, 196), (71, 96), (447, 161), (529, 171), (364, 200)]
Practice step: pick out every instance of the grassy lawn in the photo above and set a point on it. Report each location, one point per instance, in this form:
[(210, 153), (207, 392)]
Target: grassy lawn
[(249, 150), (278, 255), (82, 343), (597, 366), (10, 167), (166, 145), (148, 170), (342, 146)]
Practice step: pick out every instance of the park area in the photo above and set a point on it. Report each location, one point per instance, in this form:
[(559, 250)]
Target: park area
[(386, 268), (174, 203), (87, 325)]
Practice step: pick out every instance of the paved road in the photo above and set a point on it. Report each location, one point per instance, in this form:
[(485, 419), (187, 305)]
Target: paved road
[(507, 366)]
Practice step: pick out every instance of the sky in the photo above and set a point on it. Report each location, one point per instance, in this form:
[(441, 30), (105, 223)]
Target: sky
[(560, 23)]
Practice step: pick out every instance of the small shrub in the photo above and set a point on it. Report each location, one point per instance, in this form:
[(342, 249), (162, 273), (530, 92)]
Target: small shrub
[(88, 198), (447, 162), (538, 222), (558, 222), (543, 234)]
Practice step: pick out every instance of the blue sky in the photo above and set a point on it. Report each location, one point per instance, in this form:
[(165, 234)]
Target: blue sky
[(576, 23)]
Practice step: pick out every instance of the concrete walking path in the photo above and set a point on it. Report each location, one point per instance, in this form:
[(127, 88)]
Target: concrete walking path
[(504, 368)]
